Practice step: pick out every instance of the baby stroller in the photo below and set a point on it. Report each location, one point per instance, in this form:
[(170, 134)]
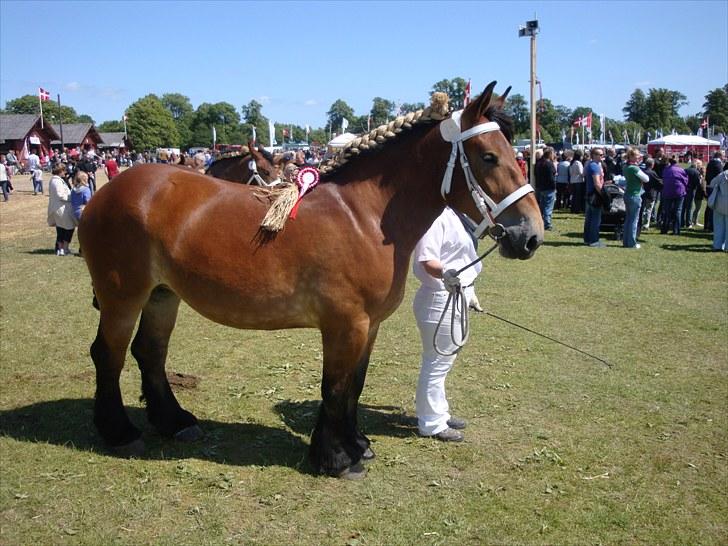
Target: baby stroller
[(614, 213)]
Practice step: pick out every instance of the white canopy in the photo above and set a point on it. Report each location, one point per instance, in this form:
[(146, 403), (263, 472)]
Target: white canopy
[(684, 140), (341, 140)]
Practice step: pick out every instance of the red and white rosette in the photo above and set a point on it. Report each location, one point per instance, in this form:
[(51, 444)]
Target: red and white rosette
[(306, 179)]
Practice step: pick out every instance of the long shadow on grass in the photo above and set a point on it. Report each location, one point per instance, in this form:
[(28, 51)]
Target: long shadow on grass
[(69, 423), (705, 247), (41, 251), (380, 420)]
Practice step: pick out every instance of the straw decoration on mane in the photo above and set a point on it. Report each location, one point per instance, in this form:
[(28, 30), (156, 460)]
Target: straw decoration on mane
[(437, 111)]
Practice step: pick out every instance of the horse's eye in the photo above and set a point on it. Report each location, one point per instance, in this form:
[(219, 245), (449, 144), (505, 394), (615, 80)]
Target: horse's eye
[(490, 158)]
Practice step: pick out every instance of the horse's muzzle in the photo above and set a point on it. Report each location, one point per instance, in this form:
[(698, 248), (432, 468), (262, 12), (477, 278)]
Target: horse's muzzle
[(520, 242)]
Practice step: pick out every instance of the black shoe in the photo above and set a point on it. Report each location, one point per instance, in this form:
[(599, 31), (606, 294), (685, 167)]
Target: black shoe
[(456, 423), (450, 435)]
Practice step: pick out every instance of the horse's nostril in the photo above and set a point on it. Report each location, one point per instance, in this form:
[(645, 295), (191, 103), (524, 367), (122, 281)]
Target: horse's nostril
[(533, 243)]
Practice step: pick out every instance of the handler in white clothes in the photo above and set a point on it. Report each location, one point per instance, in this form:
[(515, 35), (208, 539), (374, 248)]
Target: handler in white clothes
[(446, 246)]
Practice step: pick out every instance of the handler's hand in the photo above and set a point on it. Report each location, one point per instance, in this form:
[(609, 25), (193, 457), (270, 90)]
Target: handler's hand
[(451, 280)]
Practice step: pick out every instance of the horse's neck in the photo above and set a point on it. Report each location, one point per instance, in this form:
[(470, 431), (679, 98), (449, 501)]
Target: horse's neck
[(403, 180)]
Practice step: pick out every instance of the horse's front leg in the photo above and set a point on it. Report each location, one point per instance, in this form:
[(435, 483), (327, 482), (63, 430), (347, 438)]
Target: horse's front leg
[(337, 446)]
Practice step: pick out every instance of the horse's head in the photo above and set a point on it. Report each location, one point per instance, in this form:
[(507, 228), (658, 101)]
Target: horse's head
[(497, 192), (266, 166)]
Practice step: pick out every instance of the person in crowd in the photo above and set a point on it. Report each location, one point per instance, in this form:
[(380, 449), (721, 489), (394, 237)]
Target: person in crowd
[(562, 180), (110, 167), (12, 163), (609, 165), (675, 183), (652, 191), (545, 178), (576, 183), (695, 183), (163, 156), (522, 165), (36, 177), (88, 165), (80, 195), (445, 248), (632, 197), (700, 193), (594, 180), (4, 177), (60, 214), (713, 169), (33, 161), (718, 202)]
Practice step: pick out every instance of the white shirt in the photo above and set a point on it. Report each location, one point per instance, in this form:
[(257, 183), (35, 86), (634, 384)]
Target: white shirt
[(449, 242), (33, 162), (3, 173)]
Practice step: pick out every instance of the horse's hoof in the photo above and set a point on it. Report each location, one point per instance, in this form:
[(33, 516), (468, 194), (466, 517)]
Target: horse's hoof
[(354, 472), (132, 449), (189, 434), (368, 455)]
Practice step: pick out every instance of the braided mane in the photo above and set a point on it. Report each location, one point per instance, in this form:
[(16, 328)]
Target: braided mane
[(378, 137)]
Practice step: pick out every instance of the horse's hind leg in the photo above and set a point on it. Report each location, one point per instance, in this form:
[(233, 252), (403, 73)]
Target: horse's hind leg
[(108, 351), (149, 348)]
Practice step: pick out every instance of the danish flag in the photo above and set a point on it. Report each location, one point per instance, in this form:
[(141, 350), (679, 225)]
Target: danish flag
[(43, 94), (704, 123), (466, 99)]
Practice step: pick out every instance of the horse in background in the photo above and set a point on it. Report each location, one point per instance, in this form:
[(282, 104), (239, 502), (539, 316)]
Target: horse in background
[(256, 166), (159, 235)]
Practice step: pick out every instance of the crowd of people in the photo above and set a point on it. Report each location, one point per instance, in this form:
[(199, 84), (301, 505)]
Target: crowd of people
[(655, 190)]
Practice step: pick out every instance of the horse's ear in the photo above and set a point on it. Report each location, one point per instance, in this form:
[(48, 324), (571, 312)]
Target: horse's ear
[(484, 100), (501, 101)]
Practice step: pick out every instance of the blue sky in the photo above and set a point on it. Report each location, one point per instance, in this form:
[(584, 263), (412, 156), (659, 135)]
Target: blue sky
[(297, 58)]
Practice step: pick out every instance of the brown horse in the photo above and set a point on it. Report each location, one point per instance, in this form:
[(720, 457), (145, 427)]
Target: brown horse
[(255, 167), (158, 234)]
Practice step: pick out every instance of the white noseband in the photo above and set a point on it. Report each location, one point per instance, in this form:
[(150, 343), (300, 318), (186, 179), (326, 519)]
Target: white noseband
[(489, 209)]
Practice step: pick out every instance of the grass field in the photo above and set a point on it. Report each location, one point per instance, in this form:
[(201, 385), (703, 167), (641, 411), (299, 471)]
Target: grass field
[(560, 448)]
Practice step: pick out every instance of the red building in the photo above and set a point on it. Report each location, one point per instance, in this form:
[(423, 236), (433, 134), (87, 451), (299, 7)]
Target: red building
[(22, 133)]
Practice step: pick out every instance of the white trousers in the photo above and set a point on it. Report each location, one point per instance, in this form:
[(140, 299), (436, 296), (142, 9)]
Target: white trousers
[(430, 402)]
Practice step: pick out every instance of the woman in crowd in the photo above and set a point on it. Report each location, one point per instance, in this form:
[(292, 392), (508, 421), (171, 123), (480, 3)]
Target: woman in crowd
[(80, 194), (633, 197), (4, 177), (718, 203), (60, 214), (545, 177), (675, 183), (576, 183), (111, 168)]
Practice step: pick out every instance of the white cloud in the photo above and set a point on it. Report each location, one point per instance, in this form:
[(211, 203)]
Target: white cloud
[(73, 86), (310, 102), (265, 99)]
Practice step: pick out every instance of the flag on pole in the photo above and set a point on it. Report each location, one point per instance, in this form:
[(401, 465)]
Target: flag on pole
[(589, 122), (254, 134), (466, 99), (271, 133), (611, 138), (344, 124), (43, 94), (214, 136), (579, 122), (602, 126), (704, 124)]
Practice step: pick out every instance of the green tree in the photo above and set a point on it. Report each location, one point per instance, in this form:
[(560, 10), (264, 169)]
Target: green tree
[(253, 117), (455, 89), (636, 107), (716, 106), (181, 109), (517, 108), (382, 111), (412, 106), (150, 125), (338, 111), (28, 104), (661, 109), (223, 117), (111, 126)]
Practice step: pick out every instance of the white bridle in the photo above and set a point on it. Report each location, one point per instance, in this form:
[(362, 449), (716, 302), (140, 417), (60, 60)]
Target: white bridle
[(255, 177), (489, 209)]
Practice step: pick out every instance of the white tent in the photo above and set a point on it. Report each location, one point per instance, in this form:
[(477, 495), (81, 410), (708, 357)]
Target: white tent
[(683, 140), (341, 140)]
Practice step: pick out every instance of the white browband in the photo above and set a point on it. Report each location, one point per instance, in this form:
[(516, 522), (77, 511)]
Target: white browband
[(489, 209)]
